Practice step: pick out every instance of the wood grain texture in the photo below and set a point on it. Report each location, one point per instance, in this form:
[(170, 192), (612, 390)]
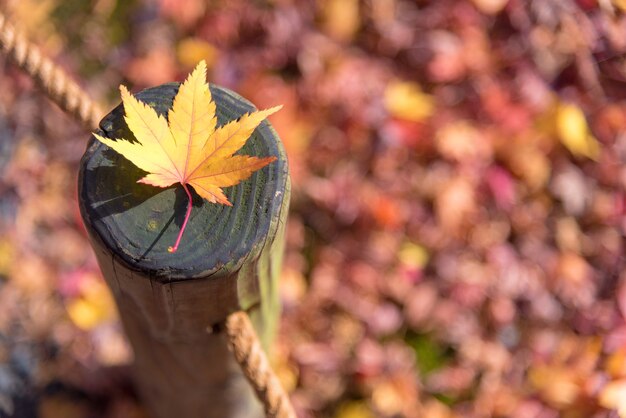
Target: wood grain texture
[(229, 259)]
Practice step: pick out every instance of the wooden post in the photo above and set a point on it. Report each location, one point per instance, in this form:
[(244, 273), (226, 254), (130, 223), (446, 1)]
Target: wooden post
[(172, 305)]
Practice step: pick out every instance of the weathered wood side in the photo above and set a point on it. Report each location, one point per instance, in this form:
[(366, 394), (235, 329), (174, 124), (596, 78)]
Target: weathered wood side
[(171, 305)]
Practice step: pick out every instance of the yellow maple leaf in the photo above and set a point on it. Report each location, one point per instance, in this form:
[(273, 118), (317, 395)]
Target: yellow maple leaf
[(189, 148)]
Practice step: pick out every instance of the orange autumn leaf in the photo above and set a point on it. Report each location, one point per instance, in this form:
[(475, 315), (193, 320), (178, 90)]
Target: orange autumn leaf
[(189, 148)]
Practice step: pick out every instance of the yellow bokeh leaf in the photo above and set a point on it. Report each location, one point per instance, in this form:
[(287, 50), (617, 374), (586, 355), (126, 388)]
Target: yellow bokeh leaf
[(613, 396), (7, 255), (615, 364), (341, 18), (462, 140), (405, 100), (620, 4), (433, 408), (354, 410), (387, 398), (413, 255), (490, 6), (93, 307), (188, 148), (192, 50), (84, 314), (556, 385), (573, 131)]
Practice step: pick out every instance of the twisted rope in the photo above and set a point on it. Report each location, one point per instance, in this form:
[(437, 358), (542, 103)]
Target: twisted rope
[(245, 345), (51, 78), (242, 339)]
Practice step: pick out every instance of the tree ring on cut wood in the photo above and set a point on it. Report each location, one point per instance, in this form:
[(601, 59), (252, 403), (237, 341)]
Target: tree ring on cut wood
[(138, 222)]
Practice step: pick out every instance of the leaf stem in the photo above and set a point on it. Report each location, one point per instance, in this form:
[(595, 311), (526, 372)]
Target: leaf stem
[(187, 214)]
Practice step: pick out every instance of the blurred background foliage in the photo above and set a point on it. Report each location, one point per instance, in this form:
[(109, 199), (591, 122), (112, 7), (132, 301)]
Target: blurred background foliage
[(456, 237)]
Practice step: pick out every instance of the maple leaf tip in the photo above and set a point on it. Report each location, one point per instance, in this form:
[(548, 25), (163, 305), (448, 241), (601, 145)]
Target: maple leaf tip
[(199, 71), (274, 109)]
